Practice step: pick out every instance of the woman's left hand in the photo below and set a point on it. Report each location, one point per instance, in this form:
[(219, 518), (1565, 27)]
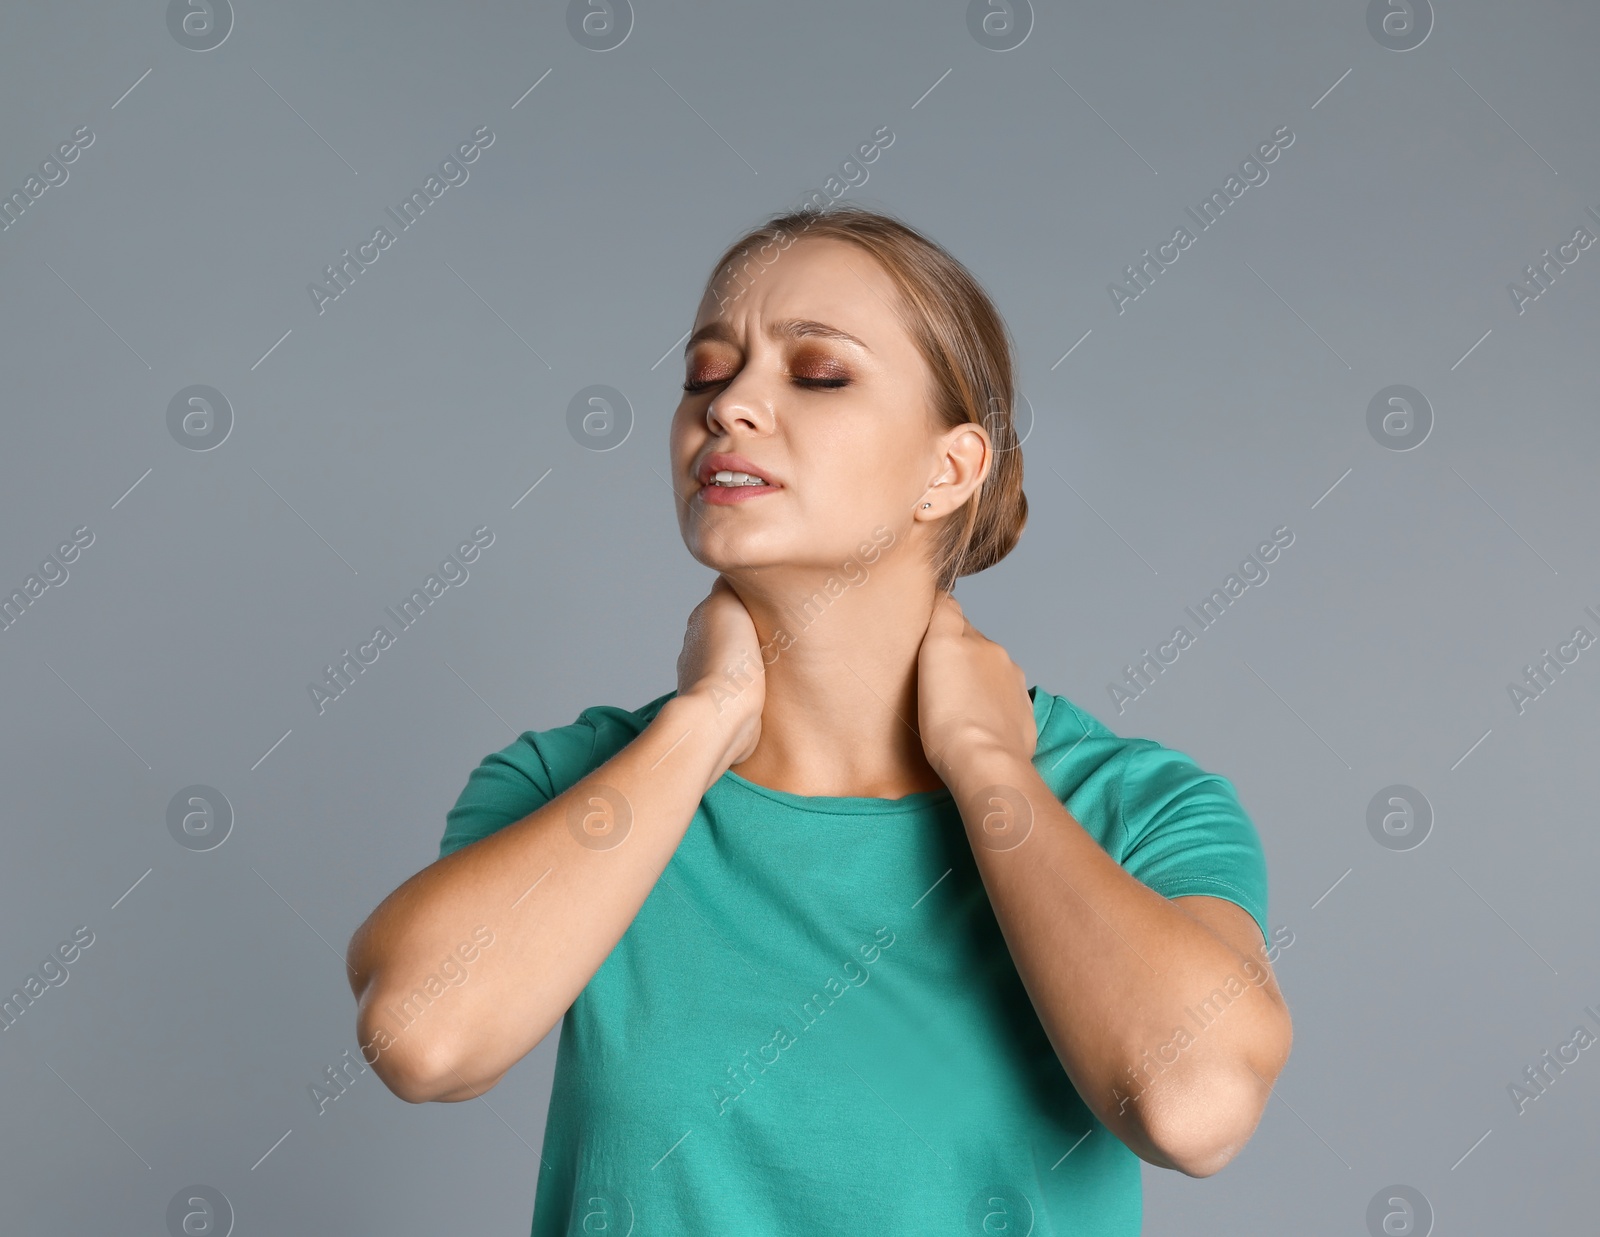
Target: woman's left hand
[(970, 695)]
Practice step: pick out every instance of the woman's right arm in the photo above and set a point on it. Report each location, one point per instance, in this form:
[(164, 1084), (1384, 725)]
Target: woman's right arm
[(555, 902)]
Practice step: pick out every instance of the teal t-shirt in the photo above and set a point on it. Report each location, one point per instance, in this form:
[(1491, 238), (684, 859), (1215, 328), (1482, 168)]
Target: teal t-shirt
[(814, 1025)]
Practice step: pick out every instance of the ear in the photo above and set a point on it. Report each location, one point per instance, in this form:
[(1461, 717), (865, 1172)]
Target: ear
[(964, 458)]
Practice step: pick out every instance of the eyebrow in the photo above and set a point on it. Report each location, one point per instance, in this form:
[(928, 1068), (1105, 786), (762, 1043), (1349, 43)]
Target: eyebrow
[(794, 328)]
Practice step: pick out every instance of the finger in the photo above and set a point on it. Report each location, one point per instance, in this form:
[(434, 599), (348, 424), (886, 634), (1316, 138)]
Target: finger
[(967, 629), (948, 605)]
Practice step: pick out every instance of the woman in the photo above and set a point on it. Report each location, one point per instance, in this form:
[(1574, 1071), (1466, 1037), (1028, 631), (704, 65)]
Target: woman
[(1058, 934)]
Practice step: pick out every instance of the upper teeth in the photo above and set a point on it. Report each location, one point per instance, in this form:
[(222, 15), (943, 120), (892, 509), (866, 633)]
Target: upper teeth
[(727, 477)]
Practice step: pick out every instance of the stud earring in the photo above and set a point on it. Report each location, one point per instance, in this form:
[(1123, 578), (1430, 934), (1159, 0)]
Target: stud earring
[(925, 506)]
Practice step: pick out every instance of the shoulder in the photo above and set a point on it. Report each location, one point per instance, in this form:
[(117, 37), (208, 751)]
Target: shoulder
[(1067, 731), (1134, 781), (1076, 749), (1178, 827), (598, 733), (538, 765)]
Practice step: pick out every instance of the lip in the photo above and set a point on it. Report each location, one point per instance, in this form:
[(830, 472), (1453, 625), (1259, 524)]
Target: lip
[(717, 495)]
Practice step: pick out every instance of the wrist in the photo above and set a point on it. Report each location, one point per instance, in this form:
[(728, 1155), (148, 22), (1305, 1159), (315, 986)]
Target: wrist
[(999, 794), (695, 720), (972, 766)]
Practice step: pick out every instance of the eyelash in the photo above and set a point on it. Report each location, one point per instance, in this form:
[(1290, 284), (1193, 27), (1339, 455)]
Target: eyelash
[(694, 388)]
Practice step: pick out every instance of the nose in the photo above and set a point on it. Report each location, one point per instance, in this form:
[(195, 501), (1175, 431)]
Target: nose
[(740, 406)]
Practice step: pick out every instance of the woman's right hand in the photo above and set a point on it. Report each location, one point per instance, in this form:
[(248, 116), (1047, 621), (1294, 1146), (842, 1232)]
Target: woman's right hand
[(721, 662)]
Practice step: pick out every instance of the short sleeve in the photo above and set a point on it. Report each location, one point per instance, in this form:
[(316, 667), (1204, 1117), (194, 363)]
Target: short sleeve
[(509, 784), (1185, 832), (505, 787)]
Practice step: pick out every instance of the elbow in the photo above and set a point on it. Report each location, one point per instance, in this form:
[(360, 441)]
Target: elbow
[(1203, 1147), (1199, 1157), (1201, 1135), (421, 1073), (413, 1067), (409, 1079), (428, 1078), (408, 1073)]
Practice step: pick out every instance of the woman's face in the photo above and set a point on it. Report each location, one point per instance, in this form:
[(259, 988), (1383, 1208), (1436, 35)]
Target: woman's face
[(839, 427)]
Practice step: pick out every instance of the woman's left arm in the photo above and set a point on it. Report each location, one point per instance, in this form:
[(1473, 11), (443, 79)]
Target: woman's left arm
[(1113, 968)]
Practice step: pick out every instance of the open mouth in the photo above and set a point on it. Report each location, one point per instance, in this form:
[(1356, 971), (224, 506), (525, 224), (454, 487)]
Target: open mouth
[(726, 478), (727, 486)]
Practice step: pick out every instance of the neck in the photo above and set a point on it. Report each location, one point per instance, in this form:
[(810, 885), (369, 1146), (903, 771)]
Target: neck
[(840, 713)]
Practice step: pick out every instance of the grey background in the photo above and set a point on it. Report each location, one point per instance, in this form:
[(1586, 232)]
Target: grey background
[(1230, 399)]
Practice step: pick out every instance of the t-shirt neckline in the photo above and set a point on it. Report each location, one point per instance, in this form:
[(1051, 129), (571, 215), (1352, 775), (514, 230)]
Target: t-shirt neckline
[(842, 805), (865, 804)]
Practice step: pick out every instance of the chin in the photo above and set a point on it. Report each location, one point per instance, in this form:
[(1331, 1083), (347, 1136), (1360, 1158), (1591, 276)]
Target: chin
[(726, 557)]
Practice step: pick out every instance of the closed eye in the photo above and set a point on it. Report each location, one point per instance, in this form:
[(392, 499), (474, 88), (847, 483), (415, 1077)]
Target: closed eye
[(822, 383)]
